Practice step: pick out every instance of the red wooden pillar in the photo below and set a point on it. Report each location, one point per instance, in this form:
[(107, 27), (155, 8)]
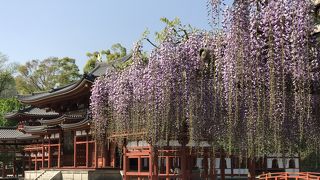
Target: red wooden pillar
[(205, 166), (150, 163), (139, 167), (74, 149), (30, 161), (112, 154), (95, 155), (213, 173), (104, 157), (183, 163), (36, 160), (252, 168), (125, 164), (167, 167), (49, 153), (59, 151), (153, 163), (87, 149), (42, 153)]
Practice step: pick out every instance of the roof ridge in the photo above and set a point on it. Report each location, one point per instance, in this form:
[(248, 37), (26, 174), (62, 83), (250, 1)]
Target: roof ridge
[(8, 127)]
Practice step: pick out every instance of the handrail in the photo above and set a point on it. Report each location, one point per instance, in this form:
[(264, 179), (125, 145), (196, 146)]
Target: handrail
[(290, 175)]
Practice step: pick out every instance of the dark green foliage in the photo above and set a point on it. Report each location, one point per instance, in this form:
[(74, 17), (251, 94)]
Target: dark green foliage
[(8, 105), (7, 85)]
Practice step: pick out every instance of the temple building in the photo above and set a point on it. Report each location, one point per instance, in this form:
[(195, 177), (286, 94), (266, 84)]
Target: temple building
[(53, 137), (53, 140)]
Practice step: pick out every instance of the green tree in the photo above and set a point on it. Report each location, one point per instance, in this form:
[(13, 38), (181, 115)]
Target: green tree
[(109, 55), (36, 75), (7, 85), (174, 26), (8, 105), (91, 62)]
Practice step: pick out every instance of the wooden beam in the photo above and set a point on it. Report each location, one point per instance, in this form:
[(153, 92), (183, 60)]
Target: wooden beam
[(127, 134)]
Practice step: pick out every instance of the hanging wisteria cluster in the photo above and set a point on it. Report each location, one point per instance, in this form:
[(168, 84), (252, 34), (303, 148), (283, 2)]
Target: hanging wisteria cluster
[(250, 87)]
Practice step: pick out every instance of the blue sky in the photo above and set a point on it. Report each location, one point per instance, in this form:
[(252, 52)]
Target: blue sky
[(37, 29)]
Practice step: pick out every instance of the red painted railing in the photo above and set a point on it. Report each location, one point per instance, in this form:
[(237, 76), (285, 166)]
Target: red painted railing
[(290, 175)]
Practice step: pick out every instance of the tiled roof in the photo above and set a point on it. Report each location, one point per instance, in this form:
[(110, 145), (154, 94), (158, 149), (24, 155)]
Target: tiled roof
[(62, 119), (43, 128), (99, 70), (56, 91), (102, 67), (32, 111), (12, 134), (84, 122)]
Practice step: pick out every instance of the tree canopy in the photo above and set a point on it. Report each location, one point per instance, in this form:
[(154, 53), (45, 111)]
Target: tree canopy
[(7, 85), (8, 105), (36, 75), (115, 52)]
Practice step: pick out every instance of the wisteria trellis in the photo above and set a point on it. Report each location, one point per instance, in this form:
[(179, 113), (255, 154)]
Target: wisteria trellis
[(249, 86)]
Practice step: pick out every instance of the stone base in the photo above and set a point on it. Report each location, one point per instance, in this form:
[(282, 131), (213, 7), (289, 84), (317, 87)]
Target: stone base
[(77, 174)]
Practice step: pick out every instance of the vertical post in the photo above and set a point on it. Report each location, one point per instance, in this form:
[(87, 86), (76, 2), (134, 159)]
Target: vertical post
[(213, 173), (183, 162), (3, 170), (42, 159), (253, 168), (139, 167), (30, 161), (231, 160), (104, 158), (154, 166), (87, 149), (150, 163), (222, 165), (36, 160), (23, 163), (95, 155), (74, 149), (49, 153), (125, 164), (205, 166), (14, 164), (59, 151), (167, 168), (112, 155)]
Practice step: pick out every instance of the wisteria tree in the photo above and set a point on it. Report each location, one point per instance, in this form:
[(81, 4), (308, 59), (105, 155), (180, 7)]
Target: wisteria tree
[(250, 86)]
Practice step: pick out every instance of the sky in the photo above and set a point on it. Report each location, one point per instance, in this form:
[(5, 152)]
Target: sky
[(37, 29)]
